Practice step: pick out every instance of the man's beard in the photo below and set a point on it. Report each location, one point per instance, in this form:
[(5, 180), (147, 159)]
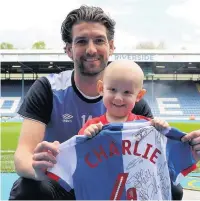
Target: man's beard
[(86, 72)]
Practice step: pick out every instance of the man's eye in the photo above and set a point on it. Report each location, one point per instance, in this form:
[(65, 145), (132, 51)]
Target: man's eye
[(81, 41), (99, 40)]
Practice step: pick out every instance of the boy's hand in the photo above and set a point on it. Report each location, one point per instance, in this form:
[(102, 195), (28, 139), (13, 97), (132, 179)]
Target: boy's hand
[(159, 124), (93, 129)]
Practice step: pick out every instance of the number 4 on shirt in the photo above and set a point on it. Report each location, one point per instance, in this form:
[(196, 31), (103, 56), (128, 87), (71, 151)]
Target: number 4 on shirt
[(119, 187)]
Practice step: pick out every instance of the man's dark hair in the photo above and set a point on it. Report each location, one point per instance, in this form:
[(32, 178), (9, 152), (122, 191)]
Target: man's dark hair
[(86, 14)]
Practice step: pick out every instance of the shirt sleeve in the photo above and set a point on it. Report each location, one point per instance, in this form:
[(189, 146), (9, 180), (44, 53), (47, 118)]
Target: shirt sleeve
[(142, 108), (62, 172), (38, 101), (180, 156)]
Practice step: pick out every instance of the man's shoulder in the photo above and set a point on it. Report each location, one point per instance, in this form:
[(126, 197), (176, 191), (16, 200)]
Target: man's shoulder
[(142, 108), (141, 103), (60, 81), (141, 117), (139, 106)]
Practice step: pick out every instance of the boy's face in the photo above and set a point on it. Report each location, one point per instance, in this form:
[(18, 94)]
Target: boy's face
[(120, 93)]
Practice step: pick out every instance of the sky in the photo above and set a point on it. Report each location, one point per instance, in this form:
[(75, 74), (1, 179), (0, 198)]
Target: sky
[(175, 22)]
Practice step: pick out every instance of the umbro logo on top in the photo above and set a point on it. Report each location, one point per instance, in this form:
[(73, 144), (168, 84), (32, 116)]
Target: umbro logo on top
[(67, 118)]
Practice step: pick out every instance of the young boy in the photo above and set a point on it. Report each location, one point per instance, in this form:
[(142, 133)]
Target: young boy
[(121, 87)]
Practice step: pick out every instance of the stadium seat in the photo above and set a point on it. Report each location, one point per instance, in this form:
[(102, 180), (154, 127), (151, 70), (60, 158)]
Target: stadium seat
[(172, 99)]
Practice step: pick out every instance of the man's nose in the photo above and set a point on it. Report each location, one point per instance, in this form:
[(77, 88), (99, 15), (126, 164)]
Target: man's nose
[(91, 48)]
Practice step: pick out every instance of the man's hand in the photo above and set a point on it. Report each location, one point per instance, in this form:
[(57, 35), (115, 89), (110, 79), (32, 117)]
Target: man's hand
[(194, 140), (44, 157), (93, 129), (159, 124)]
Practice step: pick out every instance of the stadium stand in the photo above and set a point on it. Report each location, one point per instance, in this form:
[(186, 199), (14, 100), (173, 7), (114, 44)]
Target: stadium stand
[(173, 99), (11, 97), (167, 99), (168, 78)]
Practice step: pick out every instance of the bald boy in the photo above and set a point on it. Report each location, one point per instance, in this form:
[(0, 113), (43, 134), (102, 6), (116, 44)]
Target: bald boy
[(121, 87), (125, 70)]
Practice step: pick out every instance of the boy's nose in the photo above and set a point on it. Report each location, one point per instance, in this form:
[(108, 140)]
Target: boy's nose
[(118, 100)]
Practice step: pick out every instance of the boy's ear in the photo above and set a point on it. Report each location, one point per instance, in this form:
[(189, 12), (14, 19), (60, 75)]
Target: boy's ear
[(140, 95), (100, 87)]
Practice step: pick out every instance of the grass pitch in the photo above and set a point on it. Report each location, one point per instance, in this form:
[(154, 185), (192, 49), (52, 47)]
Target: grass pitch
[(10, 134)]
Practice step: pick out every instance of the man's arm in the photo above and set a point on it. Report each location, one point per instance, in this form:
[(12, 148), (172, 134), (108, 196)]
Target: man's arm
[(194, 140), (32, 132), (36, 110)]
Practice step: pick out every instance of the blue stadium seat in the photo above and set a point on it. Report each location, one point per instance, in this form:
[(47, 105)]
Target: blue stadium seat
[(170, 99), (173, 99)]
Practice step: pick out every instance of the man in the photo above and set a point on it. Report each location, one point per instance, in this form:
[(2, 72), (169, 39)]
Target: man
[(57, 106)]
